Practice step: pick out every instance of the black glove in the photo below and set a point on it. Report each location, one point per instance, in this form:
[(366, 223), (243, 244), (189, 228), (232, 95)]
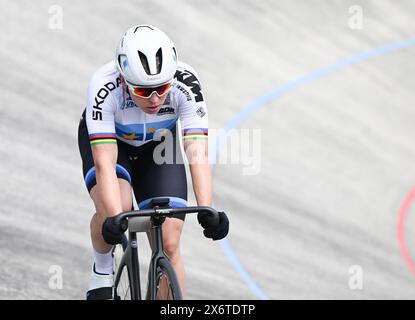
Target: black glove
[(214, 231), (112, 232)]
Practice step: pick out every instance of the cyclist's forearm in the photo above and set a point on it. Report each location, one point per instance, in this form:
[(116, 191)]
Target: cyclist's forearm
[(202, 183), (197, 154), (108, 190), (109, 194)]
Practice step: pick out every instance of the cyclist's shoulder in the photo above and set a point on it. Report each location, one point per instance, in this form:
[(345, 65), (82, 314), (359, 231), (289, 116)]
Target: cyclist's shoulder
[(107, 76), (104, 89), (185, 70), (187, 83)]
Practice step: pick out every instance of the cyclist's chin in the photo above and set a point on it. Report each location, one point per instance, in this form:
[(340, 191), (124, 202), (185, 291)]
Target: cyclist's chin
[(151, 110)]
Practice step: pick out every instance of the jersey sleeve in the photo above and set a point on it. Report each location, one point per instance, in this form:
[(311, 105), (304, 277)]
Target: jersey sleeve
[(193, 112), (100, 111)]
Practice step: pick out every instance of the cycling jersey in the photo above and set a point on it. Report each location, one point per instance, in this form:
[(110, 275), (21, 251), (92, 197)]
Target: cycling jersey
[(136, 165), (111, 113)]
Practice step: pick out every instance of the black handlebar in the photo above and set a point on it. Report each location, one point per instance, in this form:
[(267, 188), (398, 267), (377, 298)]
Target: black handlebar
[(165, 212)]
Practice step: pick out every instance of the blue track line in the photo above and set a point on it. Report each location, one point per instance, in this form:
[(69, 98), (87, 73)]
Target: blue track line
[(275, 94)]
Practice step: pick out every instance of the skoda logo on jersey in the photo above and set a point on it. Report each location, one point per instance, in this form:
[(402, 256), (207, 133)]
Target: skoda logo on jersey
[(127, 104)]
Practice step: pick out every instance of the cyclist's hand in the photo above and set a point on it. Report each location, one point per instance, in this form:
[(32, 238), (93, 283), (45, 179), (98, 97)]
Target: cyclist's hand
[(112, 232), (214, 231)]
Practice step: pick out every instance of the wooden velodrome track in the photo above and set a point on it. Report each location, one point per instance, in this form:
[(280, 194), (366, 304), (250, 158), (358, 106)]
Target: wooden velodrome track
[(335, 164)]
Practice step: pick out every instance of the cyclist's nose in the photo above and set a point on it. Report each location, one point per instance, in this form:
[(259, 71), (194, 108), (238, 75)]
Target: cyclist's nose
[(154, 98)]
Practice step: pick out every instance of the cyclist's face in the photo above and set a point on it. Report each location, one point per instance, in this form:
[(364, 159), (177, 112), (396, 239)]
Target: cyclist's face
[(150, 105)]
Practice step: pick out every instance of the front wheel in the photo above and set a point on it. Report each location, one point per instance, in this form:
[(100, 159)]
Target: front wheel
[(123, 280), (167, 287)]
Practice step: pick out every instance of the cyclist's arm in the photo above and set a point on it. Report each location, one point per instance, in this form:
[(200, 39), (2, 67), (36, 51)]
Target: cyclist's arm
[(105, 158), (194, 120), (100, 111), (197, 155)]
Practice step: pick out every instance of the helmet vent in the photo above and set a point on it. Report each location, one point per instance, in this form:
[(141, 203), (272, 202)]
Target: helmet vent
[(144, 62), (122, 61), (159, 60), (175, 53)]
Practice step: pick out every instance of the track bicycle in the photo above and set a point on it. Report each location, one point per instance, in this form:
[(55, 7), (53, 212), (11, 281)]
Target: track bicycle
[(162, 280)]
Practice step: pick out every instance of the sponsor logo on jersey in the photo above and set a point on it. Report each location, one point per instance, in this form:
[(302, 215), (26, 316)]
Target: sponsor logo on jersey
[(190, 80), (102, 94), (166, 110), (201, 112), (127, 104), (184, 91)]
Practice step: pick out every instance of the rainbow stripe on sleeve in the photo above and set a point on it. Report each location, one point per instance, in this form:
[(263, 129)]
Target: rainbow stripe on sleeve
[(102, 138), (195, 134)]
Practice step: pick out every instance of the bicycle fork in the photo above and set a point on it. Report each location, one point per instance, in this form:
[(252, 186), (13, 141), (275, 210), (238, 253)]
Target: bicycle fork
[(158, 253), (134, 272)]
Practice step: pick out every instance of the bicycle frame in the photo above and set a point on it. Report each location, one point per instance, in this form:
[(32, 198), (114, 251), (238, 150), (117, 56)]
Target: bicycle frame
[(130, 257), (157, 253), (130, 260)]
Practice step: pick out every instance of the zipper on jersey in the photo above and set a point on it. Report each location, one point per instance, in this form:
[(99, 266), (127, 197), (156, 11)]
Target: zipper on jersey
[(145, 127)]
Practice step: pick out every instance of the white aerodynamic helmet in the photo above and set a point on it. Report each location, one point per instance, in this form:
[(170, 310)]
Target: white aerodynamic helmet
[(146, 57)]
